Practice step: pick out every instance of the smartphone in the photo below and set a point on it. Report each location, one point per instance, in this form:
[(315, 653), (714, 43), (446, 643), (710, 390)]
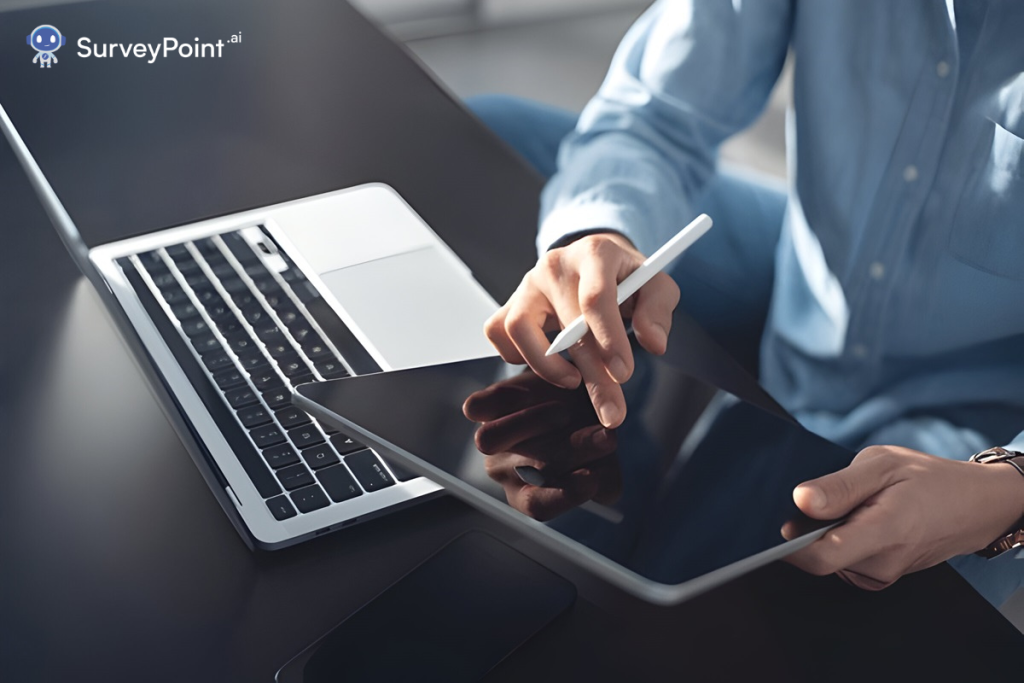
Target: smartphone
[(453, 618)]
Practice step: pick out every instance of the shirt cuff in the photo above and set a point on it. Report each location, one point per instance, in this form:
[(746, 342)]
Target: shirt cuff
[(566, 221)]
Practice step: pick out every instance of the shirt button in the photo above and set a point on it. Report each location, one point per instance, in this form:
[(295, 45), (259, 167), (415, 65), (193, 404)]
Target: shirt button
[(859, 351), (876, 271), (910, 173), (942, 69)]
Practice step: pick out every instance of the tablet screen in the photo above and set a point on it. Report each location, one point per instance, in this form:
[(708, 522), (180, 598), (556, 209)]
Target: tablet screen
[(695, 479)]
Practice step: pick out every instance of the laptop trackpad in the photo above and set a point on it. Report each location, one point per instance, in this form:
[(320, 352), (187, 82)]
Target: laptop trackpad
[(416, 308)]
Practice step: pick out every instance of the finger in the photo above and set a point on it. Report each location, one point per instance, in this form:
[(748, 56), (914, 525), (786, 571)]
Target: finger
[(504, 433), (524, 326), (545, 503), (564, 452), (509, 396), (837, 494), (863, 581), (494, 330), (609, 480), (839, 548), (597, 300), (605, 393), (652, 312)]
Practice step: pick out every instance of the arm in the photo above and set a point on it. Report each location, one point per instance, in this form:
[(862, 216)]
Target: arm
[(686, 76)]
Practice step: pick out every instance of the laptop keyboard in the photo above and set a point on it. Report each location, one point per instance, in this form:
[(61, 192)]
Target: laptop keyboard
[(249, 328)]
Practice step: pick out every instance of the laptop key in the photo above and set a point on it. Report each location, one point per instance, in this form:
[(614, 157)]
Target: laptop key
[(215, 362), (338, 483), (229, 378), (240, 248), (178, 251), (206, 246), (265, 378), (306, 436), (268, 331), (164, 280), (280, 456), (184, 311), (294, 477), (400, 472), (279, 348), (316, 349), (320, 456), (302, 379), (205, 344), (267, 436), (292, 366), (369, 470), (240, 397), (291, 417), (253, 358), (219, 311), (174, 296), (254, 416), (278, 398), (239, 341), (304, 291), (187, 266), (346, 444), (330, 369), (195, 327), (309, 499), (234, 285), (281, 508)]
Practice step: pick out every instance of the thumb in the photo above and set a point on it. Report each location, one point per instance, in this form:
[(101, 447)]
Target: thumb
[(836, 495)]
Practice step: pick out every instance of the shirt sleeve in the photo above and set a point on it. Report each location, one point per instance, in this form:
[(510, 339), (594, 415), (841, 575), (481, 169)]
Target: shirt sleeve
[(687, 75)]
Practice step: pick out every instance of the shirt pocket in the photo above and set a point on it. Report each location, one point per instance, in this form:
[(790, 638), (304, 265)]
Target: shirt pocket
[(988, 226)]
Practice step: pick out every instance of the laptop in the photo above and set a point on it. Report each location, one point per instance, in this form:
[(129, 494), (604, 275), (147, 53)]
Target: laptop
[(686, 494), (235, 312)]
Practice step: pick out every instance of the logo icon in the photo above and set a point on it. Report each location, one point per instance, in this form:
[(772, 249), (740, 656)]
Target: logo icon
[(45, 40)]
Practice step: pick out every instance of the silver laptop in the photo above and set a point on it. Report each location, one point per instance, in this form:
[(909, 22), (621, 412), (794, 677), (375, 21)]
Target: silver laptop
[(235, 312)]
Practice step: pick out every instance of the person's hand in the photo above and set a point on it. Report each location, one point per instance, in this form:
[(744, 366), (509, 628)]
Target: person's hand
[(581, 278), (525, 422), (907, 511)]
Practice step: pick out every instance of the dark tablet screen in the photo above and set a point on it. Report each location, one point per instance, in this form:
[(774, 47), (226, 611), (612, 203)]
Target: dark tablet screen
[(695, 478)]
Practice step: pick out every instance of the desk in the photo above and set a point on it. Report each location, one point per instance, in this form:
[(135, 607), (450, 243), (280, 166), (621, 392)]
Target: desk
[(117, 564)]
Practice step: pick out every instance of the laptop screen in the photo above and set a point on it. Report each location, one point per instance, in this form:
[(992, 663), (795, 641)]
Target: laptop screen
[(695, 479)]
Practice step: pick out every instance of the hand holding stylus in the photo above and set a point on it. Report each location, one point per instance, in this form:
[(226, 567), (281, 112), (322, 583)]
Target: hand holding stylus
[(583, 279)]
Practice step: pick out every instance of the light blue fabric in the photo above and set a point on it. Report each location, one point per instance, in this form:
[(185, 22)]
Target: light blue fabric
[(897, 308)]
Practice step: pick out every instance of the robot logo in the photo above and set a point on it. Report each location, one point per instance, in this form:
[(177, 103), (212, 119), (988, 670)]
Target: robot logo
[(45, 40)]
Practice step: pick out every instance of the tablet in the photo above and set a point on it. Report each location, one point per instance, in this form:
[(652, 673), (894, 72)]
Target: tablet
[(692, 490)]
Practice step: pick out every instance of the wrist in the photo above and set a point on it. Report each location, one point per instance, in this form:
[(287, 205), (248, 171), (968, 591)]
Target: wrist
[(1004, 502)]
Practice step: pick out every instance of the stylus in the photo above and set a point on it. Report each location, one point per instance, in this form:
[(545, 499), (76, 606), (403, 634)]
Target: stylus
[(657, 262)]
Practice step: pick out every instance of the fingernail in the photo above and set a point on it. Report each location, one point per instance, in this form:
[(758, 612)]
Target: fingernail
[(659, 336), (608, 414), (815, 497), (569, 381), (617, 369)]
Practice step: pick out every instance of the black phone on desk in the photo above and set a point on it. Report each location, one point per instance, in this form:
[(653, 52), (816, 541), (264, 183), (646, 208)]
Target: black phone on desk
[(453, 618)]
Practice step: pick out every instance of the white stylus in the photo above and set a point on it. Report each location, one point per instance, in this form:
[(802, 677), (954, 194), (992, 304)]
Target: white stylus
[(657, 262)]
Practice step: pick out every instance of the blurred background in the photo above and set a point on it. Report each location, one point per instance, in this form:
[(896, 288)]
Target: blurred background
[(554, 51)]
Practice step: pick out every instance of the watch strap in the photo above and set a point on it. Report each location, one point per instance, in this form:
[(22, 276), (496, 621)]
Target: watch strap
[(1014, 539)]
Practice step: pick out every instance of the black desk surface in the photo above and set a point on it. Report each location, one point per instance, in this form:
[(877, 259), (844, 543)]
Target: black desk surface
[(116, 562)]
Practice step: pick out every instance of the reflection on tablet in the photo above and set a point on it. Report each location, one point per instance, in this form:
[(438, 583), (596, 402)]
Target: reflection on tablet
[(695, 479)]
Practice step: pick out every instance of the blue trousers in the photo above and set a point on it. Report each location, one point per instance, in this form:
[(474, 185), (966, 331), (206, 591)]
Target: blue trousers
[(726, 278)]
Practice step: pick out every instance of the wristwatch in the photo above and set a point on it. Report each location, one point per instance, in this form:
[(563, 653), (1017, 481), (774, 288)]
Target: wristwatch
[(1014, 539)]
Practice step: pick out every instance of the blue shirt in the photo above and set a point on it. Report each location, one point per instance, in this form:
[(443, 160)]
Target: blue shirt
[(899, 275)]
